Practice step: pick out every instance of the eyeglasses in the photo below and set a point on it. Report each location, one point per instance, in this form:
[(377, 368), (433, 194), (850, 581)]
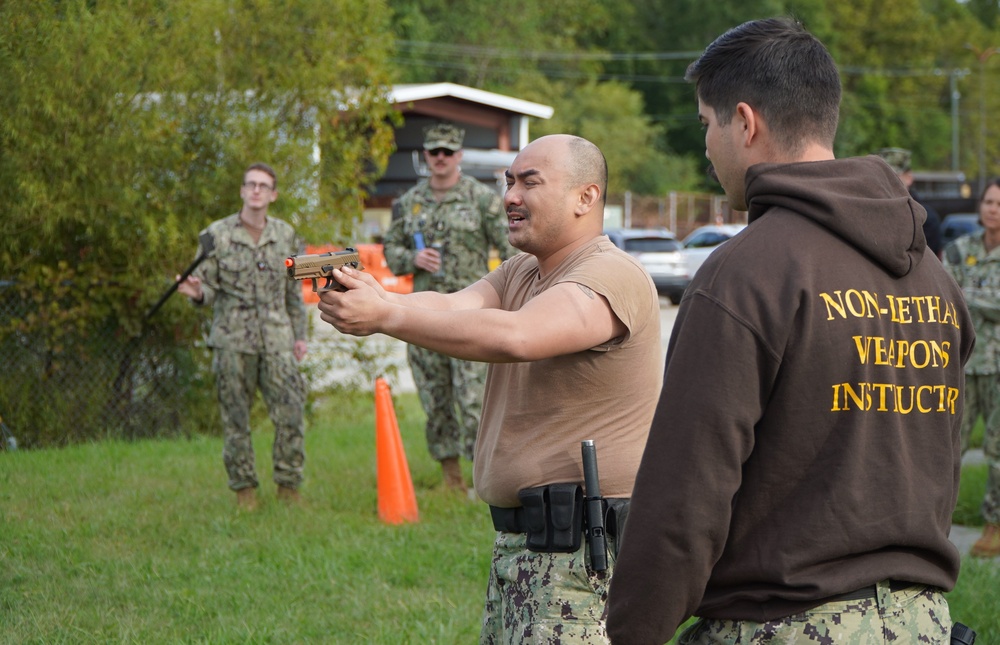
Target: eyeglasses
[(440, 151), (252, 185)]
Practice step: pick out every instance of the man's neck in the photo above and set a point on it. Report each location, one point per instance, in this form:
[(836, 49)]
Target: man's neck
[(253, 216), (441, 184), (547, 263), (772, 153)]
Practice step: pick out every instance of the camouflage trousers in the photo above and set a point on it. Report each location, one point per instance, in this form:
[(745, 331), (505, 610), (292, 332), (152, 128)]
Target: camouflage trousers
[(451, 393), (237, 376), (982, 399), (543, 598), (915, 615)]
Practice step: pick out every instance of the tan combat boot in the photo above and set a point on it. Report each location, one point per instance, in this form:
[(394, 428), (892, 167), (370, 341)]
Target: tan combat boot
[(452, 474), (246, 499), (289, 495), (988, 545)]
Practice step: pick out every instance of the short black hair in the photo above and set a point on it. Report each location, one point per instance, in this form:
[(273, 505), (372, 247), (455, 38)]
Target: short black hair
[(780, 70)]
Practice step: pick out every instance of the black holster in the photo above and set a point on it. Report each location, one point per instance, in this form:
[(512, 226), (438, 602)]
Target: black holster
[(962, 635), (615, 514)]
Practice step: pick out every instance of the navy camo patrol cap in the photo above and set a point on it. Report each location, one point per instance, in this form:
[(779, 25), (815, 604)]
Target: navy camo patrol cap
[(898, 158), (443, 135)]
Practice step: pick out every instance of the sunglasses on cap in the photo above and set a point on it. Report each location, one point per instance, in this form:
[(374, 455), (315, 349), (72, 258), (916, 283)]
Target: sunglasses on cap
[(438, 151)]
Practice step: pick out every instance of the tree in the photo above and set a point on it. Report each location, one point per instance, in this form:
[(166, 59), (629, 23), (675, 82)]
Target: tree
[(475, 44), (898, 59), (671, 41), (611, 115), (549, 53), (986, 11), (127, 126), (887, 53)]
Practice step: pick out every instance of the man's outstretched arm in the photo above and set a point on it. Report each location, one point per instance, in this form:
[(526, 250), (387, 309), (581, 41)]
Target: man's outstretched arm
[(469, 324)]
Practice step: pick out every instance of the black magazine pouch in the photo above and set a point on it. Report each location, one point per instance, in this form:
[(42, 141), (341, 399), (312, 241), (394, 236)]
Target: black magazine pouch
[(553, 517), (534, 501)]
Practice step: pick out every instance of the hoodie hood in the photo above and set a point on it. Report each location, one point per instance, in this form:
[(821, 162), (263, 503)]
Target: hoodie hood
[(860, 200)]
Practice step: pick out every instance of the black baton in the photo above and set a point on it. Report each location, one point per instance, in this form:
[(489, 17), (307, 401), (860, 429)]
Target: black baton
[(594, 508), (207, 246)]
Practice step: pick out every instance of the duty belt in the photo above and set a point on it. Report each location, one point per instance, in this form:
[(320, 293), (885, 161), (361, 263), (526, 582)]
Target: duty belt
[(511, 520), (871, 591), (554, 520)]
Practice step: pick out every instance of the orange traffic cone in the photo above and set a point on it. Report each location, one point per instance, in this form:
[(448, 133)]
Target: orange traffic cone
[(397, 503)]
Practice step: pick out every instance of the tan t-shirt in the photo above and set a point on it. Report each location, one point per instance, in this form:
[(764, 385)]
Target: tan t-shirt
[(535, 414)]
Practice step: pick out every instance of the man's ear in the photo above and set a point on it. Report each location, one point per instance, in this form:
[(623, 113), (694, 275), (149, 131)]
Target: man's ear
[(589, 197), (748, 119)]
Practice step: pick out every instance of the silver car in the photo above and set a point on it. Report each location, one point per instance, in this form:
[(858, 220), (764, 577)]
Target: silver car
[(700, 243), (660, 253)]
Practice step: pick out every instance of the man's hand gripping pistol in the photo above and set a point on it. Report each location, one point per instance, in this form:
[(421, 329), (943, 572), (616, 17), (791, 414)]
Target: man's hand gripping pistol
[(321, 265)]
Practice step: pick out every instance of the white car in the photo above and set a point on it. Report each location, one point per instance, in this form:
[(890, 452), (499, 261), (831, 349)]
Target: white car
[(660, 253), (700, 243)]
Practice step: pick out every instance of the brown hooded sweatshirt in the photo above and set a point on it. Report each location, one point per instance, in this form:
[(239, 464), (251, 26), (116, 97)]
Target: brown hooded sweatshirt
[(806, 442)]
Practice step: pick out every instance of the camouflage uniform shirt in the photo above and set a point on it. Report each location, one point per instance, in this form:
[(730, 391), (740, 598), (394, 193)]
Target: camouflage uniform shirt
[(256, 308), (978, 273), (466, 222)]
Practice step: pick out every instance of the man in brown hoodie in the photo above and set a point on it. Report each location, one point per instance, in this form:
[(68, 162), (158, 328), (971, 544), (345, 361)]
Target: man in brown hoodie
[(802, 465)]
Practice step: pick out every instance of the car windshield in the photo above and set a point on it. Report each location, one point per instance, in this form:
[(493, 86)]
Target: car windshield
[(706, 239), (651, 245)]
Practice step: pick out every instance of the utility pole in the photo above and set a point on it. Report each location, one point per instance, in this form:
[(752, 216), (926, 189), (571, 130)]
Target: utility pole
[(953, 76), (982, 55)]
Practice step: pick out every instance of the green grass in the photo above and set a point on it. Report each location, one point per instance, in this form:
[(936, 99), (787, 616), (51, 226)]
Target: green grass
[(141, 542), (970, 496), (972, 486)]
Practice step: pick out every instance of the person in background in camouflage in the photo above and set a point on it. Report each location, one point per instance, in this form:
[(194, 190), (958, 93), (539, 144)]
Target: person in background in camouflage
[(899, 160), (258, 335), (974, 261), (442, 232)]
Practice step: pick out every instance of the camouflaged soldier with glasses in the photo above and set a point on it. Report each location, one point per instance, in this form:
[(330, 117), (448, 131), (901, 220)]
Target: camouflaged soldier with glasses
[(258, 335), (442, 232)]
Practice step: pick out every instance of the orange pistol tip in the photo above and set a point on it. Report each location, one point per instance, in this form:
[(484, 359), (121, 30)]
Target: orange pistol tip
[(289, 262)]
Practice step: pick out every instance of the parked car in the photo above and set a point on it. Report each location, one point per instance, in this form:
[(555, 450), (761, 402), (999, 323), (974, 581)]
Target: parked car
[(659, 252), (700, 243), (957, 225)]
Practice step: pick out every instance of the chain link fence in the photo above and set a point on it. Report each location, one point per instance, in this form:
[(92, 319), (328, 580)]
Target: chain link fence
[(77, 385), (99, 383), (680, 212)]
